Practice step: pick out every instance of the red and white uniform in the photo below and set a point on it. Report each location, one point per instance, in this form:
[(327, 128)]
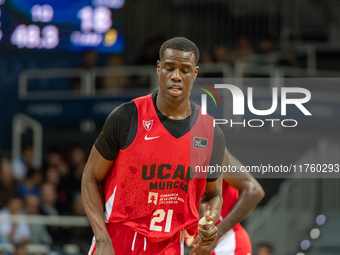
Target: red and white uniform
[(236, 241), (150, 198)]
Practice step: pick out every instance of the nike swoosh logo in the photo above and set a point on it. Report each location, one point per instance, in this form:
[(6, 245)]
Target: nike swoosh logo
[(150, 138)]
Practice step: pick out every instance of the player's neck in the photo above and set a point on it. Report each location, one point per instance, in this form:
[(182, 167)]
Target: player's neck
[(173, 110)]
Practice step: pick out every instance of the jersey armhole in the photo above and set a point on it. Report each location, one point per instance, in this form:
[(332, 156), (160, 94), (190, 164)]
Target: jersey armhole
[(132, 129)]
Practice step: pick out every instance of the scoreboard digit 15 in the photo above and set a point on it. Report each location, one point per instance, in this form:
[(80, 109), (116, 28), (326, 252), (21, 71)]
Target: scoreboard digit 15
[(71, 25)]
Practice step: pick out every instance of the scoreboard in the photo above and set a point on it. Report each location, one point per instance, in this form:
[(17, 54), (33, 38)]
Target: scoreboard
[(68, 25)]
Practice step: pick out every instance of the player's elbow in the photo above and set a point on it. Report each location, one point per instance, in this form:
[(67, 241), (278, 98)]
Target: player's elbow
[(256, 191)]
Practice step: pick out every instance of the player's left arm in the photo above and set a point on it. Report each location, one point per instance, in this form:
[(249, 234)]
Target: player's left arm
[(251, 193), (211, 200), (210, 209)]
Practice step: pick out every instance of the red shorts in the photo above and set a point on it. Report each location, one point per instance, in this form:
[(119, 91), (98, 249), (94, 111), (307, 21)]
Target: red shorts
[(128, 242), (235, 242)]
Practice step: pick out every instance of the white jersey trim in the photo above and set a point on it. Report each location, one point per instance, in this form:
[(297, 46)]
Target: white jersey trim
[(227, 244), (133, 243), (92, 245), (109, 205)]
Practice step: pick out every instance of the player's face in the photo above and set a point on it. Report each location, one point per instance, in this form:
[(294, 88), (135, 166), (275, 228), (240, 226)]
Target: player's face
[(176, 71)]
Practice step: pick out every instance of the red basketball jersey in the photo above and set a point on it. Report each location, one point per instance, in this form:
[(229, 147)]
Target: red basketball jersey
[(230, 196), (236, 241), (150, 188)]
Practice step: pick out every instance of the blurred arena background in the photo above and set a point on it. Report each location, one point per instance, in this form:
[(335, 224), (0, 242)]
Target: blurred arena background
[(64, 65)]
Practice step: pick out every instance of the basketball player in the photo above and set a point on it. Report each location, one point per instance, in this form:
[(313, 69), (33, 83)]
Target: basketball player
[(232, 237), (138, 190)]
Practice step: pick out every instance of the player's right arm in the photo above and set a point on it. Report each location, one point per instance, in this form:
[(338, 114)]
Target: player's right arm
[(95, 171), (103, 154)]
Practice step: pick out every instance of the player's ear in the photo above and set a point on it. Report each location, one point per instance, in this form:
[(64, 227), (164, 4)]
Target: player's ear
[(158, 67), (196, 71)]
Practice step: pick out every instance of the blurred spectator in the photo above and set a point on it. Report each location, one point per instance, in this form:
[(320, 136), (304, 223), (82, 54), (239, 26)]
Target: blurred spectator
[(115, 82), (39, 233), (48, 200), (77, 161), (243, 49), (205, 57), (52, 175), (90, 61), (268, 45), (20, 249), (13, 232), (8, 185), (264, 249), (22, 164), (31, 183), (221, 54), (48, 207), (78, 207), (151, 51), (80, 235), (64, 189), (150, 56), (56, 159), (289, 59)]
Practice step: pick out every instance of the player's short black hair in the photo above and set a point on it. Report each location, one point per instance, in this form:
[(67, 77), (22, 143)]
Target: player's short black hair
[(180, 43)]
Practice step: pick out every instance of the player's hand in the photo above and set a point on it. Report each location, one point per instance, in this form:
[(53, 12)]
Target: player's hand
[(203, 250), (206, 233), (192, 241), (104, 248)]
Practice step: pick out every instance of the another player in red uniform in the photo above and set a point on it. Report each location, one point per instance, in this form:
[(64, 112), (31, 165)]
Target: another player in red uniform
[(232, 237), (138, 190)]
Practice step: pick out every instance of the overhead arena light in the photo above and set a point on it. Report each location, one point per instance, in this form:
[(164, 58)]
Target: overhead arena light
[(315, 233), (304, 245), (320, 219)]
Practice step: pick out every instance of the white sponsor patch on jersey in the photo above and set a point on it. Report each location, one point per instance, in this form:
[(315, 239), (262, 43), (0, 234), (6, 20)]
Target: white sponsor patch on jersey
[(153, 197)]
